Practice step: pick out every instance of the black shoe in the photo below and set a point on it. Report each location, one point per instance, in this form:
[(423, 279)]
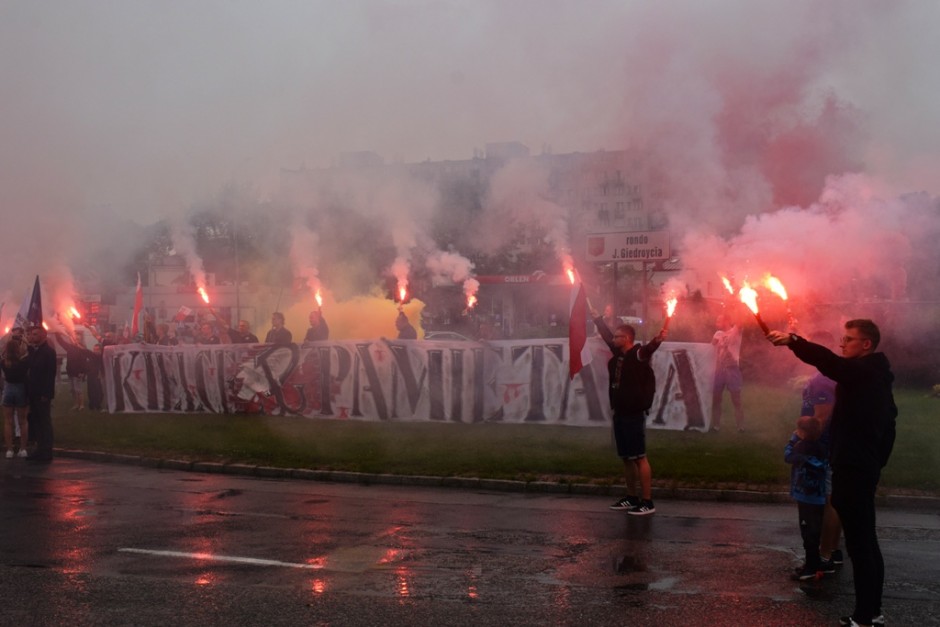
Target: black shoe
[(827, 566), (847, 620), (627, 502), (804, 573), (645, 508), (836, 557)]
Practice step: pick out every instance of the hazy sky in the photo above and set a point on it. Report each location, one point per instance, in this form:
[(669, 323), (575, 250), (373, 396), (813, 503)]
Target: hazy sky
[(142, 107)]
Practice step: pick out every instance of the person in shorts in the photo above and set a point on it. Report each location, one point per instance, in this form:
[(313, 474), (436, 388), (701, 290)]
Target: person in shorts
[(15, 366)]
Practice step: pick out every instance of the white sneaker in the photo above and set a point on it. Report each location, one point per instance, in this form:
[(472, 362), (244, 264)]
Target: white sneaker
[(9, 453), (21, 453)]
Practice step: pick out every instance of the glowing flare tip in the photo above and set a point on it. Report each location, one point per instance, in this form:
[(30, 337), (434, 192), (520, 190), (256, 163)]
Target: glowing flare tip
[(402, 293), (749, 297), (671, 306), (75, 313), (774, 285), (471, 301), (570, 273), (727, 284), (319, 298), (203, 294)]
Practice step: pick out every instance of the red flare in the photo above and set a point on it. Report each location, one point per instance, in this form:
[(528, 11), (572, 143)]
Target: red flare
[(205, 296), (774, 285)]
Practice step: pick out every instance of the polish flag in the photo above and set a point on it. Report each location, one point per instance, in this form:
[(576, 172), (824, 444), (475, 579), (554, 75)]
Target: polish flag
[(138, 307), (578, 354)]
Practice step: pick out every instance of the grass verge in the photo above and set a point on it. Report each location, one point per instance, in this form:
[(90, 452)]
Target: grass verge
[(501, 451)]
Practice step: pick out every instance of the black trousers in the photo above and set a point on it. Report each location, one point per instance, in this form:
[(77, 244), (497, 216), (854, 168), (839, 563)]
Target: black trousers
[(853, 497), (95, 392), (40, 428), (811, 517)]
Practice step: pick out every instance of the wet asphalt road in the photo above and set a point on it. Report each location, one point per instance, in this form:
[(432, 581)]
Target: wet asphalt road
[(86, 543)]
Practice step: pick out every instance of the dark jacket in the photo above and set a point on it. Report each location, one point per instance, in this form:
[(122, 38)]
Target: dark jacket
[(629, 393), (279, 336), (863, 417), (40, 380), (318, 333)]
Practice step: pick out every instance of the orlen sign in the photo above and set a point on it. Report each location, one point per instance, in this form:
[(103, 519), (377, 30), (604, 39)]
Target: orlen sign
[(633, 246)]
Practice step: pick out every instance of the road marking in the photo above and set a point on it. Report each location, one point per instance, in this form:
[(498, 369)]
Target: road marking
[(214, 557)]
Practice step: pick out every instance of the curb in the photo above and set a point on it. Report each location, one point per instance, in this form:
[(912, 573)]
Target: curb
[(736, 493)]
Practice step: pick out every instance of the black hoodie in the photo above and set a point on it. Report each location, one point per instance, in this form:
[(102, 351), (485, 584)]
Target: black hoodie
[(863, 417)]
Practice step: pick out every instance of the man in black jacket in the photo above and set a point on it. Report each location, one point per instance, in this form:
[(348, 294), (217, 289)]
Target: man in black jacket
[(863, 432), (632, 385), (40, 390)]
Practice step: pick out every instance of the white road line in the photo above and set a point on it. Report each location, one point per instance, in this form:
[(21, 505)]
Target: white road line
[(221, 558)]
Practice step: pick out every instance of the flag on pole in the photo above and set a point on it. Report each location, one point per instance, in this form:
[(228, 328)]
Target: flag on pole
[(30, 313), (578, 353), (138, 307)]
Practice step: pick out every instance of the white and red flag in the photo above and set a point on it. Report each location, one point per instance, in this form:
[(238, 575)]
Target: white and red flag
[(138, 307), (183, 313), (578, 353)]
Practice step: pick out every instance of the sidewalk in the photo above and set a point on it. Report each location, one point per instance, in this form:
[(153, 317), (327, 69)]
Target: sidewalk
[(667, 490)]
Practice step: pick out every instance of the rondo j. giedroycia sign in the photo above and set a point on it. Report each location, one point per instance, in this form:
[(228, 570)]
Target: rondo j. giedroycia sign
[(628, 246)]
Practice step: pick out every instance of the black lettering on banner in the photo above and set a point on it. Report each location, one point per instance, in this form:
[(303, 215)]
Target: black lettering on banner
[(536, 411), (275, 382), (682, 374), (413, 383), (435, 358), (478, 385), (374, 384)]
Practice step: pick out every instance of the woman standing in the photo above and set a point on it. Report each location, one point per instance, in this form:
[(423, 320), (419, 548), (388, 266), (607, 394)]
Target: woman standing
[(14, 364)]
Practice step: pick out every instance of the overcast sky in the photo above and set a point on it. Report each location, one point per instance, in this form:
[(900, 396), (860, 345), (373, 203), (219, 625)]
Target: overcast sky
[(143, 107)]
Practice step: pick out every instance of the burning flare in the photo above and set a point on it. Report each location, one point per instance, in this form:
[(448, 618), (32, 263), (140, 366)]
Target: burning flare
[(671, 306), (774, 285), (319, 298), (570, 273), (727, 284), (402, 293), (75, 313), (471, 301), (204, 294), (748, 296)]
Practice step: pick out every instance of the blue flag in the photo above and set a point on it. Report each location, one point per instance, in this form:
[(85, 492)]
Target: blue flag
[(30, 314)]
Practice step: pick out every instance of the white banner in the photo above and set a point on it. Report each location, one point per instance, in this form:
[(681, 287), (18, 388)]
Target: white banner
[(501, 381)]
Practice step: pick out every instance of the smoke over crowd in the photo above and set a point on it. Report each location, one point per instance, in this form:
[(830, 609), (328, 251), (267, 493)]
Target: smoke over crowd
[(797, 138)]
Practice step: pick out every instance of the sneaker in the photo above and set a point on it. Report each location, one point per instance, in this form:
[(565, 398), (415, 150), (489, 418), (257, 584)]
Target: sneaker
[(836, 557), (804, 573), (848, 620), (827, 566), (643, 509), (9, 453), (627, 502), (21, 453)]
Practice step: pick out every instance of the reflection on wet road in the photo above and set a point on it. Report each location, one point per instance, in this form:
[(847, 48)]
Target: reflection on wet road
[(87, 543)]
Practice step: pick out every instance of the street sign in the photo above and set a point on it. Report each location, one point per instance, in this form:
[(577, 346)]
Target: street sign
[(630, 246)]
